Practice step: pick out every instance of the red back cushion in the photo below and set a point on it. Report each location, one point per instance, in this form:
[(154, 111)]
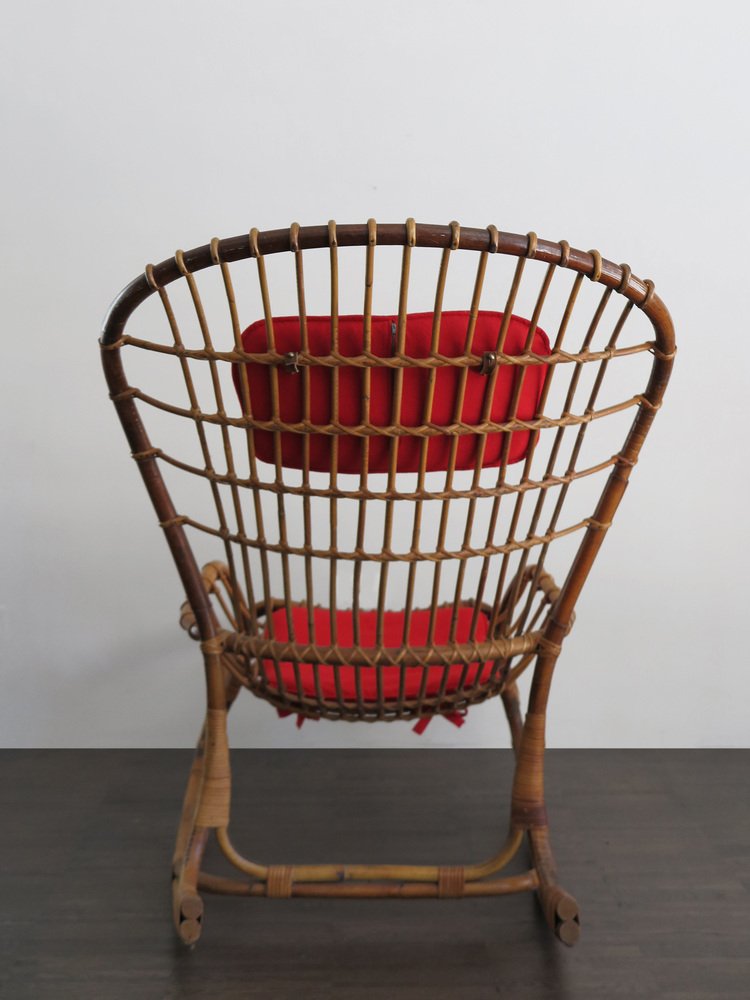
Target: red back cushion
[(452, 342)]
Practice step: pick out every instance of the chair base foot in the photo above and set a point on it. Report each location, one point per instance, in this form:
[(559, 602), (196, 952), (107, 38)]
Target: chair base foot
[(561, 913), (560, 909), (187, 911), (187, 904)]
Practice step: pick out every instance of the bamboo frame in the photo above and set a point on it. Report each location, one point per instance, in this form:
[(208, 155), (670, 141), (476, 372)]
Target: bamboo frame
[(232, 607)]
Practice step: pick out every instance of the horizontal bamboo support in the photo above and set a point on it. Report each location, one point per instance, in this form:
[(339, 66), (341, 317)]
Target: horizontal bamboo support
[(262, 647), (456, 429), (363, 492), (371, 890), (328, 873), (369, 360), (382, 556)]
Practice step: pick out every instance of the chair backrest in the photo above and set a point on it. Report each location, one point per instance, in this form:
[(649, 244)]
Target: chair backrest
[(430, 443)]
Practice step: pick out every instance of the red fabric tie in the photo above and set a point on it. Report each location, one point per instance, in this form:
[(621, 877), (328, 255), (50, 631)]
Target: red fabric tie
[(457, 718)]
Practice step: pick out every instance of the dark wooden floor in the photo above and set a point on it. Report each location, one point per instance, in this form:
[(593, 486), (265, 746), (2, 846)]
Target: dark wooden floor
[(654, 844)]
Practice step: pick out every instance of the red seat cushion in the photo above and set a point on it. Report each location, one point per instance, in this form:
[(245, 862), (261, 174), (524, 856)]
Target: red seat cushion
[(393, 634), (453, 328)]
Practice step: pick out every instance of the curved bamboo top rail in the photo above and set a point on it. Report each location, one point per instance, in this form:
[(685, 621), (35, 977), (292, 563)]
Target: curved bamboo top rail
[(235, 248)]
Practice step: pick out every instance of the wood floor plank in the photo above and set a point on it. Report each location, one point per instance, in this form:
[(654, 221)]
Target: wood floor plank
[(653, 844)]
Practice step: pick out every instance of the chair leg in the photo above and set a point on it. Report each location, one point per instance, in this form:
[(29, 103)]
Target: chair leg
[(187, 905), (205, 805), (559, 908), (512, 705), (529, 812), (207, 800)]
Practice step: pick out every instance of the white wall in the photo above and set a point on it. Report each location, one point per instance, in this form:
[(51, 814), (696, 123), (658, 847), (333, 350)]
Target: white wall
[(133, 128)]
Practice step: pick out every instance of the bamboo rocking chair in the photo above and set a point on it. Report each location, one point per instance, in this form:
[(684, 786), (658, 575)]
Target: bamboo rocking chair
[(389, 492)]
